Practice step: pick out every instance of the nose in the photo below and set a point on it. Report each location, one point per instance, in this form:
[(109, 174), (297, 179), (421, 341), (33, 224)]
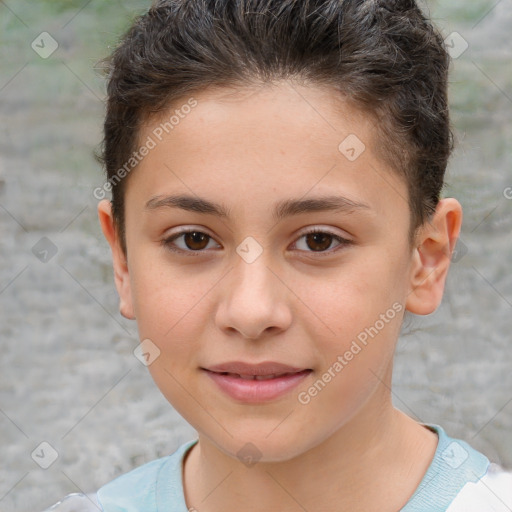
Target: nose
[(254, 300)]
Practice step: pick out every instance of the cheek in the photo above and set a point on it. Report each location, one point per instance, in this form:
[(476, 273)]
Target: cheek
[(357, 317), (165, 300), (351, 300)]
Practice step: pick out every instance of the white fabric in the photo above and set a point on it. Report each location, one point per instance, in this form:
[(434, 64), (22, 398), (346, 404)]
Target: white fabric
[(492, 493), (77, 502)]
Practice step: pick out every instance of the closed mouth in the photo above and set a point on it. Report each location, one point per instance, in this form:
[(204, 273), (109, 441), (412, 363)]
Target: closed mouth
[(261, 377)]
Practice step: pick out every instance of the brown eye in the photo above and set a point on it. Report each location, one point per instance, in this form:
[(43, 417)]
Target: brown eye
[(195, 240), (318, 241), (192, 241), (195, 243)]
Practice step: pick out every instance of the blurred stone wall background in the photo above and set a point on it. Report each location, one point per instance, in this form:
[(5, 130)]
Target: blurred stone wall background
[(68, 376)]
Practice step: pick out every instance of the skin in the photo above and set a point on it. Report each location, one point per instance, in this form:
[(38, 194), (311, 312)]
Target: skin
[(348, 448)]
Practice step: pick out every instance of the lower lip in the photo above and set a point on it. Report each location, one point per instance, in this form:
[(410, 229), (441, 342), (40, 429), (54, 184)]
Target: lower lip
[(254, 391)]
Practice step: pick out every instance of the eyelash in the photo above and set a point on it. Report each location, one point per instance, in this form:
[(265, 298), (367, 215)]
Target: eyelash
[(167, 242)]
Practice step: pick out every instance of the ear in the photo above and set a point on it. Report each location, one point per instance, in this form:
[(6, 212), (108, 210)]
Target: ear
[(121, 274), (431, 257)]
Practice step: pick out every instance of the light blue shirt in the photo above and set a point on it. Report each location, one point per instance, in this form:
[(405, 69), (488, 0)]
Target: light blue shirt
[(459, 479)]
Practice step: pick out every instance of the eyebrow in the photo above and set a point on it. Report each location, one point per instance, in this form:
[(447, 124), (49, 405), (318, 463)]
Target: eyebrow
[(281, 210)]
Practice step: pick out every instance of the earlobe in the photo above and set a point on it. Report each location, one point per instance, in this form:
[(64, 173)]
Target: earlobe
[(432, 256), (121, 273)]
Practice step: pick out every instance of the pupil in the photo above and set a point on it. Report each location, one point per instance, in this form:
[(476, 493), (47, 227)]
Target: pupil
[(317, 238)]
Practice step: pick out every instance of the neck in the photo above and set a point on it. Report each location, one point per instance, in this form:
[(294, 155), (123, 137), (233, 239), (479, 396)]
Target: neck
[(370, 461)]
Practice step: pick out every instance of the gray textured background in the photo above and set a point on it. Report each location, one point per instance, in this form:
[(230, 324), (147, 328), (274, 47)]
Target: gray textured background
[(67, 372)]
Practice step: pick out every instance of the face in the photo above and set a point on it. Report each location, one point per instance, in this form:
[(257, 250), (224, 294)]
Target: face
[(283, 276)]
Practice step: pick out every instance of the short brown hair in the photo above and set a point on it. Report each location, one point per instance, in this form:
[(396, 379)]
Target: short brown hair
[(384, 56)]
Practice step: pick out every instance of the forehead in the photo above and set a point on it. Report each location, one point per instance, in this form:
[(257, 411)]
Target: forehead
[(238, 144), (309, 113)]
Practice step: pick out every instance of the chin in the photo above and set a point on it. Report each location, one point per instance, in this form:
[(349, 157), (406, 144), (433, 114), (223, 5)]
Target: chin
[(253, 445)]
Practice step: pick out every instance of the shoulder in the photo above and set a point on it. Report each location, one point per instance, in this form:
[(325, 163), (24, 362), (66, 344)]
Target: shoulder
[(148, 487), (461, 479), (141, 489)]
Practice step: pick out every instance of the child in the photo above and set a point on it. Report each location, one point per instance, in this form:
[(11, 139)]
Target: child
[(240, 137)]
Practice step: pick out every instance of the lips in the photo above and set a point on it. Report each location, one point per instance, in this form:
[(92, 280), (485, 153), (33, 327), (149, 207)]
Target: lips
[(256, 382)]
